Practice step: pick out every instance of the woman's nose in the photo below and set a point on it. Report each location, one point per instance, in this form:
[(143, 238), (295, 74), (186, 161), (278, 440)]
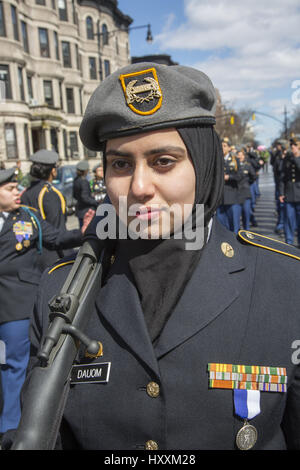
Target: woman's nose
[(142, 185)]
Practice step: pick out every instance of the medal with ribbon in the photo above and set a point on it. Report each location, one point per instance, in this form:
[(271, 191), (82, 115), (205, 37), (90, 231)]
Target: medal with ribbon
[(247, 382), (22, 230)]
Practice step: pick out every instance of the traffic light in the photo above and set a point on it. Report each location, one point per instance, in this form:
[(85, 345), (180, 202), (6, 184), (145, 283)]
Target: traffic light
[(231, 120), (253, 117)]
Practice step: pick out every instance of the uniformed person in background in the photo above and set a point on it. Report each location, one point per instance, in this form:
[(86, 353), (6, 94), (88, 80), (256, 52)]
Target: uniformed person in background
[(248, 178), (82, 192), (45, 197), (229, 211), (97, 184), (198, 338), (289, 190), (23, 234), (253, 158), (277, 163)]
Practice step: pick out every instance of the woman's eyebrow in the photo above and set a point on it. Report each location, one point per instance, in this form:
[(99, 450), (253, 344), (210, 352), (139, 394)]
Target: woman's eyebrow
[(154, 151), (117, 153), (165, 149)]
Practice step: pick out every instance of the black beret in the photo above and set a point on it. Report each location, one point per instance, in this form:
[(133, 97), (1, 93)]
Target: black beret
[(83, 165), (46, 157), (8, 176)]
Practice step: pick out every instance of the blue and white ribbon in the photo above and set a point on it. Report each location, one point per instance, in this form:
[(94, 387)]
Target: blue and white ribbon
[(247, 403)]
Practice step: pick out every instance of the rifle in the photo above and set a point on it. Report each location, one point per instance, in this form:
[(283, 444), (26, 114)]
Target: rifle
[(49, 382)]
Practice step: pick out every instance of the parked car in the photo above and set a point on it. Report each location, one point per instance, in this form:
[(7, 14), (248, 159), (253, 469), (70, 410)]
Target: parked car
[(64, 183)]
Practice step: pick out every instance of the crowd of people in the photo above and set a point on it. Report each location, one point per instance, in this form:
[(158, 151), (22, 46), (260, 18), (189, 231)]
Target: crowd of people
[(241, 186), (286, 169), (242, 166)]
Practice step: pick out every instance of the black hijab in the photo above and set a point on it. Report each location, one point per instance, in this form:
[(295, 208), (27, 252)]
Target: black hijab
[(162, 268)]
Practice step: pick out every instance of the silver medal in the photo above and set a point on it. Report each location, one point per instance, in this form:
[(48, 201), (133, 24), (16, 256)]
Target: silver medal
[(246, 437)]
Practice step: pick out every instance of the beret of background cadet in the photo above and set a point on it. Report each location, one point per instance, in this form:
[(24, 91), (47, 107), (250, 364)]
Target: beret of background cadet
[(83, 165), (47, 157), (8, 176), (146, 96)]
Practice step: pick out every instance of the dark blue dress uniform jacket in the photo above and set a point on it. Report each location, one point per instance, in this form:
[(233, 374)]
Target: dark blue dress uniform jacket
[(43, 196), (231, 186), (51, 204), (239, 310), (289, 184), (19, 270), (82, 194)]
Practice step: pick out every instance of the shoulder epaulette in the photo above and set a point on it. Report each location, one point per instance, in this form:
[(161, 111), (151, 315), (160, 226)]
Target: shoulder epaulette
[(268, 243), (62, 262), (29, 207)]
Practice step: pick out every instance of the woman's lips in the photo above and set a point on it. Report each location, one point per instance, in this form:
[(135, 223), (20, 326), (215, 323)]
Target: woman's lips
[(148, 213)]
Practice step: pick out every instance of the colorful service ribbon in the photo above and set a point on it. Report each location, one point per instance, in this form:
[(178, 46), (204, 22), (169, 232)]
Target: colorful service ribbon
[(240, 377)]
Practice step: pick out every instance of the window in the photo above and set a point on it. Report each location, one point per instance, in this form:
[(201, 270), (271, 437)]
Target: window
[(100, 69), (92, 67), (53, 139), (75, 16), (78, 58), (80, 101), (11, 141), (73, 143), (48, 92), (70, 100), (89, 28), (117, 47), (44, 42), (53, 4), (21, 83), (29, 87), (104, 34), (56, 46), (14, 19), (25, 36), (5, 82), (65, 144), (106, 68), (66, 53), (26, 139), (61, 95), (40, 2), (2, 21), (62, 10)]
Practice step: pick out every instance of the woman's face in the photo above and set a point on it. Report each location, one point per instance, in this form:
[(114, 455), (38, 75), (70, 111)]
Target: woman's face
[(153, 171)]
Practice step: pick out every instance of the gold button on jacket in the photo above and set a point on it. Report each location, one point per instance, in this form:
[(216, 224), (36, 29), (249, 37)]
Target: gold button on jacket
[(153, 389), (151, 445)]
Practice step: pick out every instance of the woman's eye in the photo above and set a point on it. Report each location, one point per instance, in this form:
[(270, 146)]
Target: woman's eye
[(164, 162), (120, 164)]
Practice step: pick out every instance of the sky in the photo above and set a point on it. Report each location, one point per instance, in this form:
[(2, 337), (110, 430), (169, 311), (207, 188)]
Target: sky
[(250, 49)]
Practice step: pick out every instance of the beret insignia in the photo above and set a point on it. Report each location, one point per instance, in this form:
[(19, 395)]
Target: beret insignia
[(142, 91)]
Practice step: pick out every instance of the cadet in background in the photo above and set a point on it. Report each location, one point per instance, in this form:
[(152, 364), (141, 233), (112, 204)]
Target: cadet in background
[(229, 211), (98, 188), (44, 196), (289, 190), (82, 192)]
